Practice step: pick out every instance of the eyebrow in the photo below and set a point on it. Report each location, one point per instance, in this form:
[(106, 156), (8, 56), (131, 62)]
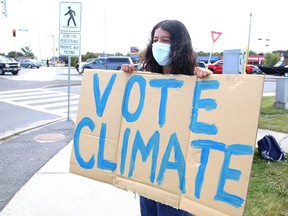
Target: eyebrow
[(163, 37)]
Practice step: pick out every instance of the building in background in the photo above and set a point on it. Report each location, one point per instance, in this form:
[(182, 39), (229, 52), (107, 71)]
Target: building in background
[(134, 54)]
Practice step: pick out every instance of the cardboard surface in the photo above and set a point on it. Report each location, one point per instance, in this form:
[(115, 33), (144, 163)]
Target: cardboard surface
[(179, 140)]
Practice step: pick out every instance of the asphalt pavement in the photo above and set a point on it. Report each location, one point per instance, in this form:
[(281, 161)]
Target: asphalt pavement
[(52, 190), (23, 155)]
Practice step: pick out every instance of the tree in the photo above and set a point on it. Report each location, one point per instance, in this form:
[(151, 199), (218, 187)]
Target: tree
[(252, 52), (89, 55), (14, 54), (119, 54), (28, 52), (271, 59), (202, 53)]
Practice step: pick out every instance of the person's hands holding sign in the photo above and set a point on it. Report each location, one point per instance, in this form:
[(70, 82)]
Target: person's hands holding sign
[(198, 71), (128, 68)]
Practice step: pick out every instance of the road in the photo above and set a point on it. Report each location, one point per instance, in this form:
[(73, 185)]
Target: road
[(32, 97), (37, 95)]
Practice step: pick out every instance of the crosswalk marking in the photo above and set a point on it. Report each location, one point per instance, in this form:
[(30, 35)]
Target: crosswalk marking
[(32, 96), (57, 104), (49, 101), (45, 100), (16, 94)]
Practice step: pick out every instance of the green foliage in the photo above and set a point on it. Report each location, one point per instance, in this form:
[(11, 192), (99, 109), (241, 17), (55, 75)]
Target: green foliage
[(119, 54), (201, 53), (218, 54), (28, 52), (271, 59), (89, 55), (14, 54), (74, 61), (252, 53)]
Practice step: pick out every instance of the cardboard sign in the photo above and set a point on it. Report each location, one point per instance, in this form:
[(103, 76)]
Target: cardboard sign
[(179, 140)]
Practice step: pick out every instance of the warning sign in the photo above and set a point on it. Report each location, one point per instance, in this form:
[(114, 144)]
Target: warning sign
[(215, 35)]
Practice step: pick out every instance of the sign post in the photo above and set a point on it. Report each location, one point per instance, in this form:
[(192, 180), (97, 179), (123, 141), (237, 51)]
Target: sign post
[(215, 35), (69, 41)]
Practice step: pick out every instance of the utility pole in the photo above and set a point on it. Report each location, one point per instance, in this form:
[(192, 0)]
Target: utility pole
[(247, 49)]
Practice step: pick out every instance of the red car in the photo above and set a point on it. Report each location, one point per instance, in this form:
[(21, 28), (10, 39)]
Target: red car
[(217, 67)]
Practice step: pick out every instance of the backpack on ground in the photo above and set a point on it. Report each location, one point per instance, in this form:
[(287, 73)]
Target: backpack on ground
[(269, 148)]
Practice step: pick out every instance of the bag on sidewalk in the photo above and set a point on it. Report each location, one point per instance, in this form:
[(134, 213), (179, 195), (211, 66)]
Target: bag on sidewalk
[(269, 148)]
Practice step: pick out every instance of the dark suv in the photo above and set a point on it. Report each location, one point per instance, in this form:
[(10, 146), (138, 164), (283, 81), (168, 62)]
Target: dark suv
[(107, 63), (8, 65)]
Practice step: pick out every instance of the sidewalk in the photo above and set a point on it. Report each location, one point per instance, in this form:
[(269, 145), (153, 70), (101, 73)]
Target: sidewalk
[(54, 191)]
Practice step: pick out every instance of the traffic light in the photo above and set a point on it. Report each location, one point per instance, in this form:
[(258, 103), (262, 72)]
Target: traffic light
[(14, 33)]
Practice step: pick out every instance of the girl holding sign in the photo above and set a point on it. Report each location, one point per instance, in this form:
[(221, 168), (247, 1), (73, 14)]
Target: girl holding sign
[(169, 51)]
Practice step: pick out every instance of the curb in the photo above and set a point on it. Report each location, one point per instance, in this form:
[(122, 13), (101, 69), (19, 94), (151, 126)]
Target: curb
[(19, 131), (62, 84)]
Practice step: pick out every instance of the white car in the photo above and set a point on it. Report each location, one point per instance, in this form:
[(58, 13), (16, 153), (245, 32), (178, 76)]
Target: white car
[(256, 70)]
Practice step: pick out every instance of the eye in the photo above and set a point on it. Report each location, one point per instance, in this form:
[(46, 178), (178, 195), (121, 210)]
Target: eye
[(167, 41)]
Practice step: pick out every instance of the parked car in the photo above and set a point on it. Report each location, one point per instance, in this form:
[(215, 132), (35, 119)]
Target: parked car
[(88, 60), (107, 63), (279, 69), (9, 65), (256, 69), (30, 63), (201, 64), (217, 67)]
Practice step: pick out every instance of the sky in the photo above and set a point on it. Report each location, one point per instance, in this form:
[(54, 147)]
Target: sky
[(114, 26)]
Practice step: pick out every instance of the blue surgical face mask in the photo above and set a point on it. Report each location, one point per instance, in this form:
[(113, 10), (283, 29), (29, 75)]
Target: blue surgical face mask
[(161, 53)]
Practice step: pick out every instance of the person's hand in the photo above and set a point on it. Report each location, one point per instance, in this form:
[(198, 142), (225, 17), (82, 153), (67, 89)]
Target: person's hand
[(128, 68), (202, 72)]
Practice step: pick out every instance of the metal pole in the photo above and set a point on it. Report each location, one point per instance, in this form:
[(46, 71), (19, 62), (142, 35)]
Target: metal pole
[(105, 31), (247, 50), (39, 38), (209, 60), (53, 49), (68, 112)]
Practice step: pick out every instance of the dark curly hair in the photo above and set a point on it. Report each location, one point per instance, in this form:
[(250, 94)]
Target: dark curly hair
[(182, 53)]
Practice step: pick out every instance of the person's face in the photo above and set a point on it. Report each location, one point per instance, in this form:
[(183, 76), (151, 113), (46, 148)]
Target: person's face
[(162, 36)]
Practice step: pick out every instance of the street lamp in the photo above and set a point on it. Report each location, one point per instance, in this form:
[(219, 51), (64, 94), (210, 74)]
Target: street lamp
[(49, 35), (267, 41)]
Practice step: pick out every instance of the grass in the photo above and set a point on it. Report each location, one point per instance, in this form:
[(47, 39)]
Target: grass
[(268, 187), (273, 119)]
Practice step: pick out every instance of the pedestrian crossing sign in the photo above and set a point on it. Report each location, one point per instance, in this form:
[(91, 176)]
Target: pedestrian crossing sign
[(70, 16)]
